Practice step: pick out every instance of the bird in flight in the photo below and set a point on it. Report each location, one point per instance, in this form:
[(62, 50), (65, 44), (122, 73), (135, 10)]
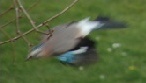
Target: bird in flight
[(70, 42)]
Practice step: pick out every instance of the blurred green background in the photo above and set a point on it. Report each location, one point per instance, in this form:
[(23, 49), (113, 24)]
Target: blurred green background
[(122, 64)]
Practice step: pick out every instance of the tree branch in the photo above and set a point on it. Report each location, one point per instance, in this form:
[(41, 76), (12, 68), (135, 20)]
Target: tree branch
[(10, 8), (29, 18), (42, 24), (33, 5), (17, 23)]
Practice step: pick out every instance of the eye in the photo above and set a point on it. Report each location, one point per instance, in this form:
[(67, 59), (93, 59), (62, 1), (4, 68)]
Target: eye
[(30, 57)]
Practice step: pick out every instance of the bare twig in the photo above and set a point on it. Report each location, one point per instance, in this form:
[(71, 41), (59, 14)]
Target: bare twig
[(7, 23), (8, 10), (50, 31), (5, 33), (42, 24), (58, 14), (17, 23), (17, 16), (32, 6), (50, 34), (30, 19)]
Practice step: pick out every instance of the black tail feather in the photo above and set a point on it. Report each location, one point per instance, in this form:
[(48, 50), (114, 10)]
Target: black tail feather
[(108, 23)]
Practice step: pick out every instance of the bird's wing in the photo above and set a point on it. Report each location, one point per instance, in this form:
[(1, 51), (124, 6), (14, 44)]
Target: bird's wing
[(86, 58), (64, 38)]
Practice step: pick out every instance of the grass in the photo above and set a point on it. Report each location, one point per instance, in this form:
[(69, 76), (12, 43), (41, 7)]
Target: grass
[(125, 64)]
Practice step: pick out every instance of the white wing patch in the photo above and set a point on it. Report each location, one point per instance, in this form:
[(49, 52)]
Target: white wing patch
[(87, 26), (81, 50)]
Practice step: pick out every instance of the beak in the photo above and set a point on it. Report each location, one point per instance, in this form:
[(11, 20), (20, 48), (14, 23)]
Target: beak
[(28, 58), (33, 54)]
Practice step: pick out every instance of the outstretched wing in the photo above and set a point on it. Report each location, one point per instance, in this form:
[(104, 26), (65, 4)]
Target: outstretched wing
[(64, 37)]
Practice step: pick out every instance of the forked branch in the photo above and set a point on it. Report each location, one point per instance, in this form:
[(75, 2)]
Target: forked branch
[(40, 25)]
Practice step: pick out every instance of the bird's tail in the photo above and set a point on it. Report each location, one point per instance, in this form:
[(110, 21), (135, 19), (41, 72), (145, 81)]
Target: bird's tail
[(108, 23)]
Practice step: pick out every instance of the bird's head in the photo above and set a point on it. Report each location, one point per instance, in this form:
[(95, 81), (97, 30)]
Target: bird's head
[(37, 51), (34, 53)]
